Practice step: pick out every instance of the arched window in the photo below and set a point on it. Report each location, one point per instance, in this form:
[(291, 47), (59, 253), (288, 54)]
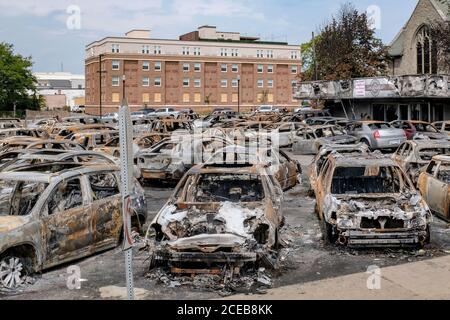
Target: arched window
[(426, 52)]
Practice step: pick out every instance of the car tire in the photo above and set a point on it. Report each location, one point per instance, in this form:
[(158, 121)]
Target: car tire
[(366, 142)]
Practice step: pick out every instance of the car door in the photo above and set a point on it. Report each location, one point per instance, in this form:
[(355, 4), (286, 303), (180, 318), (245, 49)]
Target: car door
[(398, 155), (106, 206), (291, 168), (67, 221), (434, 190)]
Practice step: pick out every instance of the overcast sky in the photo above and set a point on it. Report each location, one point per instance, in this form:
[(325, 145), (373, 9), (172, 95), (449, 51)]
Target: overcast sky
[(50, 32)]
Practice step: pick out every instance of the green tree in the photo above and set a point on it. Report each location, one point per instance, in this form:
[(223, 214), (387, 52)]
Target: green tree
[(17, 83), (308, 67), (348, 48)]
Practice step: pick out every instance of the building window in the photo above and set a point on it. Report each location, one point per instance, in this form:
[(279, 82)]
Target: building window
[(223, 52), (114, 98), (145, 98), (234, 97), (235, 68), (270, 83), (157, 97), (157, 50), (235, 83), (197, 51), (270, 68), (270, 98), (197, 67), (234, 52), (185, 67), (186, 97), (115, 81), (145, 49), (269, 54), (186, 51), (426, 52), (293, 83), (115, 64), (259, 53), (260, 83), (224, 98), (115, 48), (145, 81), (197, 83), (145, 65), (197, 97), (158, 66), (224, 68), (260, 68), (224, 83), (294, 54), (294, 69), (157, 82), (186, 82)]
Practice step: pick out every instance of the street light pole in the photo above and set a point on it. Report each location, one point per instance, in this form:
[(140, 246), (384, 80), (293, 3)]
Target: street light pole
[(100, 72), (124, 78), (239, 93)]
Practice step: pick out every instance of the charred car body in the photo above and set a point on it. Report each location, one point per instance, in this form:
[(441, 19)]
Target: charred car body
[(434, 185), (54, 213), (414, 156), (368, 201), (218, 215)]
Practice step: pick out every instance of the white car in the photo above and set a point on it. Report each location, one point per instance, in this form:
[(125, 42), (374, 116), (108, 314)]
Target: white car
[(267, 109), (166, 113)]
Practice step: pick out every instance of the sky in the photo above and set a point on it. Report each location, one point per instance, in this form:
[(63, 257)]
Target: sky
[(55, 32)]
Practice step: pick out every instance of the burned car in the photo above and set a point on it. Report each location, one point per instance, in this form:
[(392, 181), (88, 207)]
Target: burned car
[(368, 201), (322, 156), (285, 170), (171, 158), (55, 213), (418, 130), (434, 185), (218, 215), (310, 140), (414, 156)]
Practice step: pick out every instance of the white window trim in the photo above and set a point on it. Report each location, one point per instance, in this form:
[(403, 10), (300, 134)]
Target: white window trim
[(262, 68), (199, 69), (160, 82), (143, 66), (270, 70), (224, 83), (188, 83), (158, 63), (118, 65), (270, 83), (197, 83), (188, 67), (148, 82), (260, 83), (118, 81), (221, 67)]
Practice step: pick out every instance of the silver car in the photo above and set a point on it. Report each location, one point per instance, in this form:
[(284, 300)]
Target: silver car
[(377, 134)]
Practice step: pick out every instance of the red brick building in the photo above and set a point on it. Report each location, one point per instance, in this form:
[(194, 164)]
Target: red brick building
[(203, 69)]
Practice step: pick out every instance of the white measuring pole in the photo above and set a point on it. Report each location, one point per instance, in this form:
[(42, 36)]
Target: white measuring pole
[(126, 165)]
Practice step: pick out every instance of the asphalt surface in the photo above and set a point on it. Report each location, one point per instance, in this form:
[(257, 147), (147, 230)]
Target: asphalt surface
[(306, 259)]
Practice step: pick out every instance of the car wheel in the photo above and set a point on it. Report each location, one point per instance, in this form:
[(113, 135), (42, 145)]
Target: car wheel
[(366, 142), (330, 234), (12, 271)]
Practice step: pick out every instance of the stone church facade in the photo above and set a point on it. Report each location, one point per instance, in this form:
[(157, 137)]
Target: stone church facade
[(413, 51)]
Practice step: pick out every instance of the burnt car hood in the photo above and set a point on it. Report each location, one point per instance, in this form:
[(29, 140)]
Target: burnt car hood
[(431, 136), (9, 223), (207, 243), (343, 139)]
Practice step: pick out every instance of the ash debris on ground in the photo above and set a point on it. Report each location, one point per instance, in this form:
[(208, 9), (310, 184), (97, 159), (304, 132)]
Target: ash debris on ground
[(225, 284)]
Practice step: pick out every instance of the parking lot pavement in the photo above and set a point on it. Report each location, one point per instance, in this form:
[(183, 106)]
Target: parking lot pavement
[(424, 280), (307, 259)]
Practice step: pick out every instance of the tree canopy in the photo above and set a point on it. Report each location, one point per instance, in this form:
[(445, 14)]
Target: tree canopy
[(439, 33), (346, 47), (17, 83)]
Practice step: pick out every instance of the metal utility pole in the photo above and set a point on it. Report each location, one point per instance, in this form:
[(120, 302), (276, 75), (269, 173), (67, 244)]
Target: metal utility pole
[(124, 78), (100, 72), (239, 93), (126, 165)]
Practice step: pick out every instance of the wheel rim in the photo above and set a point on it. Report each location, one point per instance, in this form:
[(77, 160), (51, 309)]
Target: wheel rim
[(11, 272)]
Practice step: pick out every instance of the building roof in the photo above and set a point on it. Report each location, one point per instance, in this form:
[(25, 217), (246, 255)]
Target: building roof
[(397, 45)]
